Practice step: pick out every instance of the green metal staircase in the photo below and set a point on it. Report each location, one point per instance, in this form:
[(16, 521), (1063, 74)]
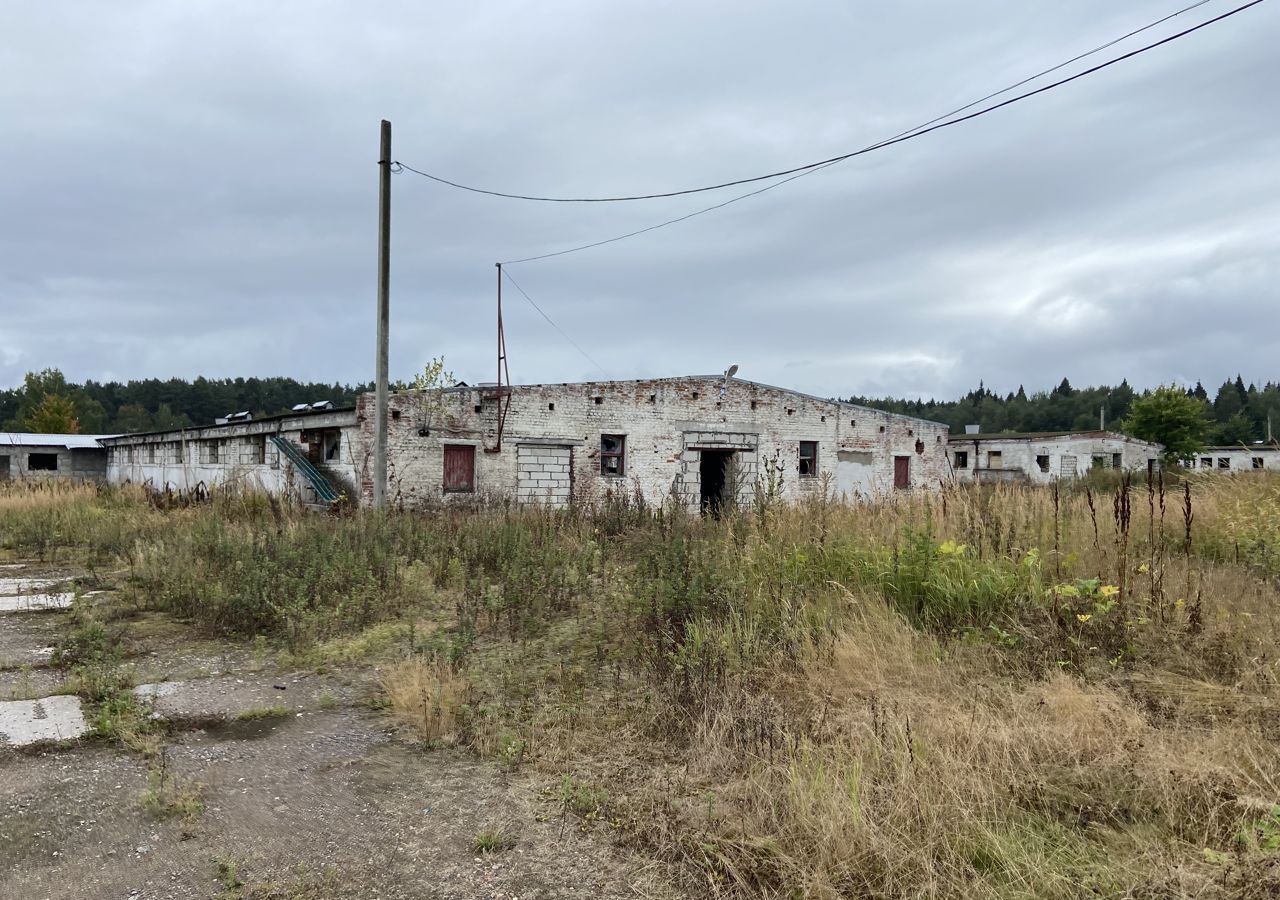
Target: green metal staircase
[(324, 490)]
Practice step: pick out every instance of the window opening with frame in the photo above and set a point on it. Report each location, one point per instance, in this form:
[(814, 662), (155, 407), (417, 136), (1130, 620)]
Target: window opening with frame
[(613, 451), (808, 459)]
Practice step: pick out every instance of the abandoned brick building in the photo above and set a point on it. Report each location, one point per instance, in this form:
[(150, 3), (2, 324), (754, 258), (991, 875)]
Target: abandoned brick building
[(1045, 456), (702, 440)]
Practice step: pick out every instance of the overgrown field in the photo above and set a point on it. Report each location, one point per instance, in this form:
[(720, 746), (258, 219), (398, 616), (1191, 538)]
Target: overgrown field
[(1004, 692)]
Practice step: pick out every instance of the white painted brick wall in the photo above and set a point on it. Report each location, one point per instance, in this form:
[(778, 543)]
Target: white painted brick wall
[(660, 419)]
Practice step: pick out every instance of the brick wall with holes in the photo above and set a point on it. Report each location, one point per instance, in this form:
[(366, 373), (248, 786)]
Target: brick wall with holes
[(648, 437)]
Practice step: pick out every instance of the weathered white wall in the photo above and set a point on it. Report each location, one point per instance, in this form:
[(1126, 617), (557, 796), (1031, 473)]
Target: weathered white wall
[(1239, 459), (246, 458), (666, 422), (1019, 456)]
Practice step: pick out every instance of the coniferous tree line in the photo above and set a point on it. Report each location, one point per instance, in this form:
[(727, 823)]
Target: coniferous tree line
[(47, 402), (1235, 414)]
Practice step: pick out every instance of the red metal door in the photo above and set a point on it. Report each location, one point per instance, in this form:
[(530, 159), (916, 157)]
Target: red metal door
[(901, 472), (459, 467)]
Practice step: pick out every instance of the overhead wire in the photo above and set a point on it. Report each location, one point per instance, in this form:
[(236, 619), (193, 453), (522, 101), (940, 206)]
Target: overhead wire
[(897, 138), (551, 322), (932, 125), (943, 121)]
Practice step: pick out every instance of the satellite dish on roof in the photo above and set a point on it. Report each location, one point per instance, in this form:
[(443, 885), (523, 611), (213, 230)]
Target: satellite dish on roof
[(733, 370)]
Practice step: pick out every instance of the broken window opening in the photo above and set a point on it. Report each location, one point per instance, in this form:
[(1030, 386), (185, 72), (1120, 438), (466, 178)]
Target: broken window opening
[(1258, 462), (1206, 462), (598, 400), (808, 459), (395, 413), (995, 459), (213, 451), (613, 455), (1117, 461), (919, 446), (962, 459), (551, 406), (1224, 462), (42, 462), (259, 449), (1042, 461), (1099, 461)]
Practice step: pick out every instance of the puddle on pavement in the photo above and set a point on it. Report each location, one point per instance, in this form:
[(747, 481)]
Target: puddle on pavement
[(246, 729)]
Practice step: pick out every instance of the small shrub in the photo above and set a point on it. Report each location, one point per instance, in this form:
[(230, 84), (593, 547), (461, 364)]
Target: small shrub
[(429, 696), (170, 795), (491, 840)]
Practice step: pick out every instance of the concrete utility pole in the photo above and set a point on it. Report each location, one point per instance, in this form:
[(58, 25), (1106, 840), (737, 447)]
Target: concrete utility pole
[(384, 319)]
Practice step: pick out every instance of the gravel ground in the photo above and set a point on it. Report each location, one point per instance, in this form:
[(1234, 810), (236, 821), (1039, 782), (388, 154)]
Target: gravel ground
[(328, 802), (311, 797)]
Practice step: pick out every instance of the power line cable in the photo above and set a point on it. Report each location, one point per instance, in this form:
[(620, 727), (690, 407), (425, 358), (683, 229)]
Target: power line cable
[(911, 132), (551, 322), (934, 125)]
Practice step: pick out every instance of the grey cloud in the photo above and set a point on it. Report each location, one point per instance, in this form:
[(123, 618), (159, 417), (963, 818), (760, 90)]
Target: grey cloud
[(190, 189)]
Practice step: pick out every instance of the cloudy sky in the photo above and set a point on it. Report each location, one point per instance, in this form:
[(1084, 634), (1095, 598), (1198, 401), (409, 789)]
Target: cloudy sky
[(190, 187)]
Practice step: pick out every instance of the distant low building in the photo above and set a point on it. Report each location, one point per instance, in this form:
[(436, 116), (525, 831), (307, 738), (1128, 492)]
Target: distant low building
[(46, 456), (1238, 458), (309, 455), (1043, 457)]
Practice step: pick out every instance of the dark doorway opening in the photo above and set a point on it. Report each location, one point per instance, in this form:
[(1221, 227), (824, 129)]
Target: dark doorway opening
[(713, 471)]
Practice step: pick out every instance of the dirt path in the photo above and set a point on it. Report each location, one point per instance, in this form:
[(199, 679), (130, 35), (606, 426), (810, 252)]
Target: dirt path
[(309, 794)]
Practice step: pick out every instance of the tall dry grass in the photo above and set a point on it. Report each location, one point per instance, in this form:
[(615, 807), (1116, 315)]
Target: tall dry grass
[(997, 692)]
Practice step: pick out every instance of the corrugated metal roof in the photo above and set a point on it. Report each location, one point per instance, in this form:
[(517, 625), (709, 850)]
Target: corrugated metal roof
[(70, 441)]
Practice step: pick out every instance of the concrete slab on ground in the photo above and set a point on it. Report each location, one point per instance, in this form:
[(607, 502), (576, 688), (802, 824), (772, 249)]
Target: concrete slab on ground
[(26, 722), (36, 602)]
